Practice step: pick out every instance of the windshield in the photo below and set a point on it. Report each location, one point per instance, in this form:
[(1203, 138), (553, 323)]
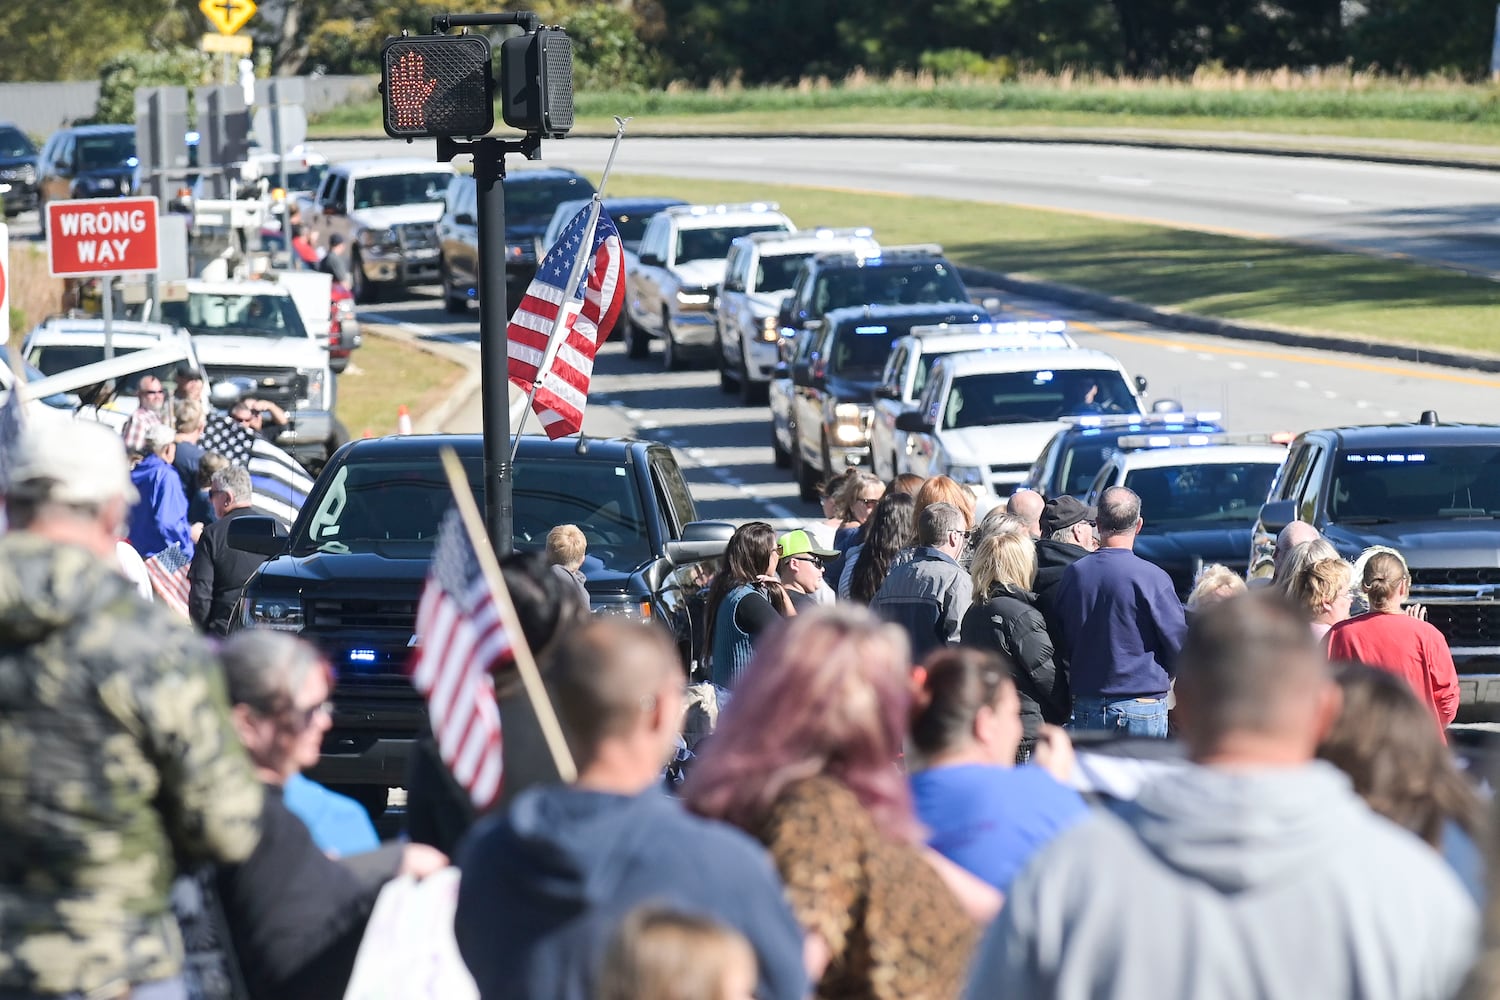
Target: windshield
[(1077, 467), (1417, 484), (400, 189), (776, 274), (1035, 396), (713, 244), (862, 351), (13, 143), (888, 285), (236, 314), (53, 359), (1231, 491), (301, 180), (103, 152), (398, 503), (532, 203), (631, 225)]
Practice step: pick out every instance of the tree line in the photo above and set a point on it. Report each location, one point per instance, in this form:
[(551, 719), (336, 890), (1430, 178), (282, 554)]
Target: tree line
[(647, 43)]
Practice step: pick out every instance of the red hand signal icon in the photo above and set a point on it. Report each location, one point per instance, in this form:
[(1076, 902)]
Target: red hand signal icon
[(409, 90)]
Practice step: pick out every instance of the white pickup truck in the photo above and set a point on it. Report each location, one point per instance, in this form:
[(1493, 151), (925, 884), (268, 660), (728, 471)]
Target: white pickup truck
[(984, 416), (388, 211)]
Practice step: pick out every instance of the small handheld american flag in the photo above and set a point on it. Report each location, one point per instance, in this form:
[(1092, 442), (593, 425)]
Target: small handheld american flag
[(587, 319), (461, 639), (168, 570)]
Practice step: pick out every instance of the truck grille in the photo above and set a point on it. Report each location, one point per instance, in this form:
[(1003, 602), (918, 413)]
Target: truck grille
[(282, 386), (418, 235), (1471, 576), (362, 613), (1466, 624)]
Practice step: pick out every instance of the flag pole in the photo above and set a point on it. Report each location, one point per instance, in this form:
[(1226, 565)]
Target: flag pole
[(575, 276), (531, 677)]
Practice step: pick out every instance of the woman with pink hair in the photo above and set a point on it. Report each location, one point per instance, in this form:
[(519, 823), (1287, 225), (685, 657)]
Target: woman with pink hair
[(805, 760)]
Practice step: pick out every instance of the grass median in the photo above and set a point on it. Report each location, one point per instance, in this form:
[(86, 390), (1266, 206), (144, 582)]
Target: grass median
[(1254, 281), (386, 373)]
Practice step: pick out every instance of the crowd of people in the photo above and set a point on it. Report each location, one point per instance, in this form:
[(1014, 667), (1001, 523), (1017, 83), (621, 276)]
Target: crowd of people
[(886, 799)]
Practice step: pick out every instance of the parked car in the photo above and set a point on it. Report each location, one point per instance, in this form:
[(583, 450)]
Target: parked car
[(1074, 456), (388, 211), (887, 276), (86, 161), (18, 170), (531, 199), (911, 361), (985, 415), (833, 386), (62, 344), (1199, 500), (671, 285), (1428, 489), (758, 276), (349, 574)]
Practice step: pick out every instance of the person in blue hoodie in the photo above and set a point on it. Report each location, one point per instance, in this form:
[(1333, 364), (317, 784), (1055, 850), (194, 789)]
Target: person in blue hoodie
[(1257, 874), (546, 884)]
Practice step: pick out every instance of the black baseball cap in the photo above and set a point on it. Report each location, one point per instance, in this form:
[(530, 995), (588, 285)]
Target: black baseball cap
[(336, 240), (1064, 512)]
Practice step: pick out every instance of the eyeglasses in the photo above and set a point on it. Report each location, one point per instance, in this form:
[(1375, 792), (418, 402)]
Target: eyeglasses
[(305, 716), (815, 560), (868, 501), (153, 392)]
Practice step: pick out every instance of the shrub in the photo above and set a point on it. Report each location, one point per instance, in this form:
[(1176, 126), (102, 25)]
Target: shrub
[(122, 74)]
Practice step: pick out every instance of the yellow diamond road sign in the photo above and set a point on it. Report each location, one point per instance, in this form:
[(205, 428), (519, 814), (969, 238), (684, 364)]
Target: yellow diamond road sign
[(228, 16)]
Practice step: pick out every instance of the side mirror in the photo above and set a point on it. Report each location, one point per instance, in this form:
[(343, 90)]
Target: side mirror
[(1140, 383), (913, 422), (1277, 515), (1166, 406), (784, 314), (259, 534), (884, 391), (463, 219), (700, 540), (650, 260), (992, 305)]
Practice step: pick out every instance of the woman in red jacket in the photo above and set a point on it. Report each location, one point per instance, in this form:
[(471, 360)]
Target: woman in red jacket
[(1388, 638)]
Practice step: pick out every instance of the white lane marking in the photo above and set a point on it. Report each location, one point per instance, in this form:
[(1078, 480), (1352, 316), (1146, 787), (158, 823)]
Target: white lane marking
[(1267, 374), (1361, 404), (1127, 181), (1176, 348), (1390, 414), (1205, 356), (1322, 199), (1301, 384), (1330, 394), (1238, 366), (782, 513)]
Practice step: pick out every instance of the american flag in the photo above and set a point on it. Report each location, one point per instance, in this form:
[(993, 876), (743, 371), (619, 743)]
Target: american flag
[(589, 317), (460, 640), (168, 570)]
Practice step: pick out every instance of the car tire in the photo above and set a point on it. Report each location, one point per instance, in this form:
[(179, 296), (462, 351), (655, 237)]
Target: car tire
[(752, 393), (671, 354), (780, 457), (807, 476), (453, 304), (827, 454), (637, 343), (363, 289)]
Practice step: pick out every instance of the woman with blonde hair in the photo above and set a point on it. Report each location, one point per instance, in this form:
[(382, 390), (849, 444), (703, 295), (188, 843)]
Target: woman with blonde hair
[(859, 494), (663, 954), (1216, 582), (1004, 619), (805, 761), (1323, 592), (1388, 638)]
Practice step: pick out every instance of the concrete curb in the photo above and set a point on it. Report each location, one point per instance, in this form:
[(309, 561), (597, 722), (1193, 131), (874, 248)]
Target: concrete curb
[(1082, 298), (432, 421), (1166, 143)]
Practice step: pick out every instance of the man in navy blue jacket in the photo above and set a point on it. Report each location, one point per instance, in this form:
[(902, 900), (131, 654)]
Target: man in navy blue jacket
[(1122, 627), (546, 884)]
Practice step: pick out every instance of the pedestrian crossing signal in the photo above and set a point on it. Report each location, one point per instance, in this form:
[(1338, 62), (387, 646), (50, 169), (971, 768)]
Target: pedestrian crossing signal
[(437, 85)]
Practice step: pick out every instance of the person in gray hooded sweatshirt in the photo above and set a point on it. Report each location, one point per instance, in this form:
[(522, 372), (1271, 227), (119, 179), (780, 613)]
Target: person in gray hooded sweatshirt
[(546, 884), (1256, 874)]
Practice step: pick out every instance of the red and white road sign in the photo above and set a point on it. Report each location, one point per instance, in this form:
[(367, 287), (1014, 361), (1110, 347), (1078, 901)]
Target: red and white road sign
[(102, 236)]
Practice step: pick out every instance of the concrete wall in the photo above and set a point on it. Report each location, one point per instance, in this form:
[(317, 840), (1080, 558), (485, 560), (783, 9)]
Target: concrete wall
[(41, 108)]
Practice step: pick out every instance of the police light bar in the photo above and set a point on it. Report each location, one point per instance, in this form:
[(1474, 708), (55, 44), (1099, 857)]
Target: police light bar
[(833, 232), (1132, 442), (1016, 335), (724, 209)]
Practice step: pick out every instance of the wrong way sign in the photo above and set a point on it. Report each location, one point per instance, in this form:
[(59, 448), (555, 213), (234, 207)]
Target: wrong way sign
[(102, 236)]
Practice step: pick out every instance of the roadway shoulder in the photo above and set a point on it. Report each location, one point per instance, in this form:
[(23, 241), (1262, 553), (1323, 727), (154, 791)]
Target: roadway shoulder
[(433, 420), (1183, 322)]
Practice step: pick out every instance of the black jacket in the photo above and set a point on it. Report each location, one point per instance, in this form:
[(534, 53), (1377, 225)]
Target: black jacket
[(296, 916), (1007, 622), (1052, 558), (218, 575)]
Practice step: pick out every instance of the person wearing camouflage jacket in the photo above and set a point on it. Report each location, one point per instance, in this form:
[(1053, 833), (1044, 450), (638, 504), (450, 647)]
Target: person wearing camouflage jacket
[(118, 761)]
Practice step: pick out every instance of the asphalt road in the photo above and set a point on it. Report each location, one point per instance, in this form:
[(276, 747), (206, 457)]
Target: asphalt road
[(1443, 215), (724, 445)]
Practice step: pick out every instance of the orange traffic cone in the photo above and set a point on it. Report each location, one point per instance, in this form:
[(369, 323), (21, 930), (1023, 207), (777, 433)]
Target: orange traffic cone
[(403, 420), (368, 433)]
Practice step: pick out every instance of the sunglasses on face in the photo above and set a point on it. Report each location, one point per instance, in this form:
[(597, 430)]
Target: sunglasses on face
[(815, 560)]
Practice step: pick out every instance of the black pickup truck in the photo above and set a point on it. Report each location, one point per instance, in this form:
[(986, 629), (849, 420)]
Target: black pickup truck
[(349, 574), (1432, 492)]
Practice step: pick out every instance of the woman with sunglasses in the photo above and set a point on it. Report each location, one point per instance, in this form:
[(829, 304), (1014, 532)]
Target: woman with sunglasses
[(857, 499), (745, 599)]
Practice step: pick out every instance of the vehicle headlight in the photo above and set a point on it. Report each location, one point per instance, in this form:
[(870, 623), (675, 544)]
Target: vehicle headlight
[(692, 298), (315, 387), (25, 173), (101, 183), (846, 411), (380, 238), (851, 423), (966, 475), (769, 331), (284, 614), (635, 610)]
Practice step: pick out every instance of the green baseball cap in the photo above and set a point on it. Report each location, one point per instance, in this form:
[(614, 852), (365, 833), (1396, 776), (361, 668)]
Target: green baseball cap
[(800, 543)]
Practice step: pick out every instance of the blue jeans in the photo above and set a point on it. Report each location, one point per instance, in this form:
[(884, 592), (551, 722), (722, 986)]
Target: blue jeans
[(1124, 716)]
